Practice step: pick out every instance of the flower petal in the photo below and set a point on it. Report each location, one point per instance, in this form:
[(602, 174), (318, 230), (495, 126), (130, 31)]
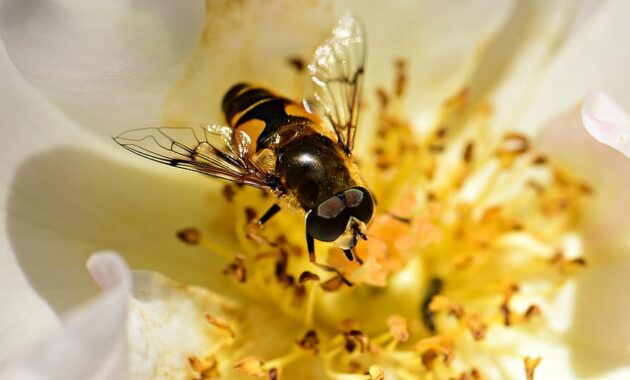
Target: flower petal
[(607, 122), (590, 59), (28, 124), (599, 336), (106, 65), (605, 224), (91, 343)]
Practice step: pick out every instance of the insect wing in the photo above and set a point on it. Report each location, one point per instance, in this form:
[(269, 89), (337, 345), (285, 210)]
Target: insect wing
[(336, 75), (214, 150)]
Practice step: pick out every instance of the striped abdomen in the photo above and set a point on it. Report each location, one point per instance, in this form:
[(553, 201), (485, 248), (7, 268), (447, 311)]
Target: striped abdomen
[(262, 114)]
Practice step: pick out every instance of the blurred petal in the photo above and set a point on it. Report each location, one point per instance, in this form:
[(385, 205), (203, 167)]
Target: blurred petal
[(593, 58), (248, 41), (91, 343), (443, 42), (106, 64), (607, 122)]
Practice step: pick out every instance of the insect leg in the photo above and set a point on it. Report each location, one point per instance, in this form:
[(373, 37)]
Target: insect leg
[(254, 229), (310, 244), (273, 210)]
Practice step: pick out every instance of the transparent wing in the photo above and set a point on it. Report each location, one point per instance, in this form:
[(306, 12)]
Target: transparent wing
[(336, 79), (215, 150)]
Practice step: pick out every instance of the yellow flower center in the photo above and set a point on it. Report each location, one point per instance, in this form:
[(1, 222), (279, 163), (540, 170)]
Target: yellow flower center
[(473, 233)]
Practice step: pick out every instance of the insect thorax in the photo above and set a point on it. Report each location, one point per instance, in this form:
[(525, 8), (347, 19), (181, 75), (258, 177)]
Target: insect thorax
[(313, 168)]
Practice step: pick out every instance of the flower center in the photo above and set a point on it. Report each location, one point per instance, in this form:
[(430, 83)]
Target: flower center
[(473, 233)]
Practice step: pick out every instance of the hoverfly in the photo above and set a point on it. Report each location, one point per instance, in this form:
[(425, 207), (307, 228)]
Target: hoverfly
[(299, 152)]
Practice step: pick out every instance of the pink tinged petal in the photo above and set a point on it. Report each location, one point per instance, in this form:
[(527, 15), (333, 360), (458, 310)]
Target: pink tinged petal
[(107, 64), (607, 122), (91, 344)]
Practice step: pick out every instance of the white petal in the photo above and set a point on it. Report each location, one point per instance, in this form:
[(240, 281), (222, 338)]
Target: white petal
[(600, 332), (442, 41), (594, 58), (607, 122), (511, 67), (107, 64), (63, 198), (28, 124), (605, 223), (250, 41), (91, 343)]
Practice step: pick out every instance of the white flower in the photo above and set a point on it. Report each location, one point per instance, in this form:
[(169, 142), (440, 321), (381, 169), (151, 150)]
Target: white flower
[(73, 74)]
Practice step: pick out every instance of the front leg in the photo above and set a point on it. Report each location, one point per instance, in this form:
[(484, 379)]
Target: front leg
[(310, 245)]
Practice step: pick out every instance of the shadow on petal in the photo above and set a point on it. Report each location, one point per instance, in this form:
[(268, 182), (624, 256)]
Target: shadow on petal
[(599, 332), (600, 326), (67, 203)]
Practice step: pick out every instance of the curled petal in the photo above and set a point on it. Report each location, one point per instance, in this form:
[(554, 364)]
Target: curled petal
[(91, 343), (607, 122)]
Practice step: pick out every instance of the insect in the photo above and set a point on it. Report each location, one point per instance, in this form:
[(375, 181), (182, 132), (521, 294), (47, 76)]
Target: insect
[(299, 152)]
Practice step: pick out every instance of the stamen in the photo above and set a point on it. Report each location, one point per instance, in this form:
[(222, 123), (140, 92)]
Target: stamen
[(530, 366)]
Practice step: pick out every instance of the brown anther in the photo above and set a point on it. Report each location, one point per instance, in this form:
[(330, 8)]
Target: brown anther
[(540, 160), (189, 235), (218, 323), (297, 63), (473, 374), (228, 192), (383, 98), (580, 261), (281, 266), (273, 374), (237, 269), (281, 239), (441, 132), (307, 276), (585, 188), (354, 339), (310, 342), (469, 152), (530, 366), (398, 328), (428, 358), (250, 214), (476, 326), (401, 77), (332, 285), (531, 312)]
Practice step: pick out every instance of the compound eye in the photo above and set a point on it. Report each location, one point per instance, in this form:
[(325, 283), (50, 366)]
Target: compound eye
[(360, 203), (328, 220)]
